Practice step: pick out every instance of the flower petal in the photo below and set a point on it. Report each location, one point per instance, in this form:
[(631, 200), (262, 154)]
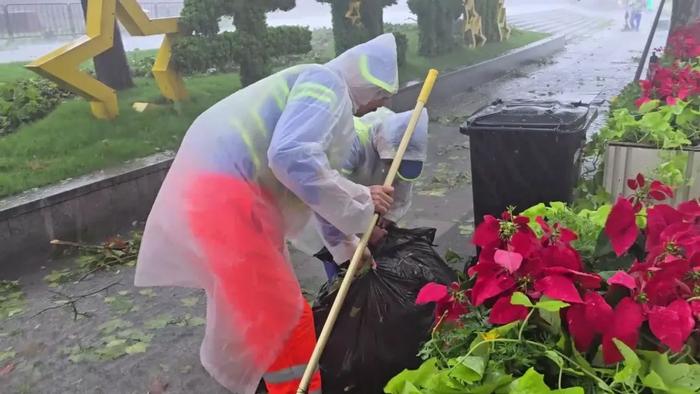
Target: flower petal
[(558, 287), (640, 179), (487, 233), (658, 218), (432, 292), (621, 226), (503, 312), (695, 307), (672, 324), (489, 286), (588, 319), (627, 319), (623, 279), (511, 261)]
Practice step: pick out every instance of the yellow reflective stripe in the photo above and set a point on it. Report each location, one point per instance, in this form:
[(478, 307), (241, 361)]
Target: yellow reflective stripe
[(248, 141), (345, 172), (259, 121), (313, 90), (362, 130), (280, 91), (367, 75)]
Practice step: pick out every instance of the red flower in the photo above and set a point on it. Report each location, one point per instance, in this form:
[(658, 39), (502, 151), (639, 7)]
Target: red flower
[(627, 318), (448, 302), (621, 226), (672, 324), (658, 218), (695, 308), (588, 320), (503, 312)]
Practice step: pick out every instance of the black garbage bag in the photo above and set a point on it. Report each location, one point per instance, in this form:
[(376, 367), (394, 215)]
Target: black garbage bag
[(380, 329)]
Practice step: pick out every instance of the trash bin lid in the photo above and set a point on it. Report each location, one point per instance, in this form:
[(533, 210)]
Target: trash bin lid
[(531, 115)]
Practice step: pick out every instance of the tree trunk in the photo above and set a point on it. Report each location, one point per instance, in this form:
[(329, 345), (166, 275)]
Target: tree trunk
[(684, 11), (111, 66), (347, 34), (251, 26)]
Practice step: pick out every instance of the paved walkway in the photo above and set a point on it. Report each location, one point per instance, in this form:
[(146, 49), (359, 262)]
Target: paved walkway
[(160, 329)]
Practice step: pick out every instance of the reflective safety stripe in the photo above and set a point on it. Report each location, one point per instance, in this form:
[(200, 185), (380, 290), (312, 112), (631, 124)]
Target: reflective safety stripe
[(285, 375), (313, 90), (280, 91), (259, 122), (367, 75), (362, 130), (345, 172), (248, 141)]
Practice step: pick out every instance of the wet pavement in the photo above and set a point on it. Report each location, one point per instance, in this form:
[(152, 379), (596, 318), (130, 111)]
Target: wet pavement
[(147, 340)]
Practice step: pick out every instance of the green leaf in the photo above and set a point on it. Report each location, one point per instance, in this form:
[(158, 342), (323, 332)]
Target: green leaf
[(519, 298), (159, 322), (649, 106), (628, 374), (532, 382), (679, 378), (410, 379), (113, 325), (553, 319), (147, 292), (7, 354), (467, 369), (138, 347), (190, 301), (196, 321), (551, 305), (555, 357)]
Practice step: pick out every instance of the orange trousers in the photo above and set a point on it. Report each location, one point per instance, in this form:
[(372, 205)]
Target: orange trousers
[(285, 373)]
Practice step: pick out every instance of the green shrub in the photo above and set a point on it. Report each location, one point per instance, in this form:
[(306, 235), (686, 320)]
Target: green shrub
[(142, 67), (200, 54), (401, 47), (27, 100), (436, 24)]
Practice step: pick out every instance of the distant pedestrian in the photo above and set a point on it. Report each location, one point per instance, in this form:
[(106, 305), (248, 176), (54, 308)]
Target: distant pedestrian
[(627, 7), (636, 8)]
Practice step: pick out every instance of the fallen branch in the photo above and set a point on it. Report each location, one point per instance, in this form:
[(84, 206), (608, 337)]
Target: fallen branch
[(72, 301)]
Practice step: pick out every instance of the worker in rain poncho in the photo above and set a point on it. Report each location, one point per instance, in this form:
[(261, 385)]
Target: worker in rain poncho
[(378, 135), (253, 170)]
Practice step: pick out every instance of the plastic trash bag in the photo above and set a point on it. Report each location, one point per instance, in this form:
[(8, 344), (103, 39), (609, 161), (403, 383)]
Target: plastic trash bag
[(380, 329)]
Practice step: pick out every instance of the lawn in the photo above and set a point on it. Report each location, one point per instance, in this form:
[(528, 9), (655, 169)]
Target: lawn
[(417, 66), (69, 142)]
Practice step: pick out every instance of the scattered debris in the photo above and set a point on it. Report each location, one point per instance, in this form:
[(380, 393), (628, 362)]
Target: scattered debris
[(189, 301), (11, 299), (71, 301)]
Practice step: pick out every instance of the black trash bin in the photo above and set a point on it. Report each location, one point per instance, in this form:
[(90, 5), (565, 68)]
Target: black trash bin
[(525, 152)]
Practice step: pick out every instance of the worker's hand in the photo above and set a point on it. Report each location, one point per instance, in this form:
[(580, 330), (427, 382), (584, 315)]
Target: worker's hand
[(366, 262), (382, 198), (378, 234)]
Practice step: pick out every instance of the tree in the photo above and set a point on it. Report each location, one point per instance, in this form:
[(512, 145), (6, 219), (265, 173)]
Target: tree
[(356, 21), (684, 11), (493, 20), (112, 66), (201, 17), (436, 24)]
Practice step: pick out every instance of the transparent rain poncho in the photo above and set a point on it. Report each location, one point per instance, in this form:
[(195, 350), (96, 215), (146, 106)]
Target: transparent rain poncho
[(378, 135), (252, 171), (373, 150)]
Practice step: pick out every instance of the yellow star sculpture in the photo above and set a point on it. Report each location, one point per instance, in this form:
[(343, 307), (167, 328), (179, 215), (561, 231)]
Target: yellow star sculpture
[(63, 65)]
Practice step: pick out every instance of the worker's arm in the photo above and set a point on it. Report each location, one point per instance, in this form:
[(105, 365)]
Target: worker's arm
[(403, 193), (317, 119)]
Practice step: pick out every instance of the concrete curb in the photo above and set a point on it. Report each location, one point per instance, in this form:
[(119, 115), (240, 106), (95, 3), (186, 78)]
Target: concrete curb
[(86, 209), (95, 206), (460, 81)]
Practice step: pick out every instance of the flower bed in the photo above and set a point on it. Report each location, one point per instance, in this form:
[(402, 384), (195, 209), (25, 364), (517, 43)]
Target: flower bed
[(666, 118), (534, 315)]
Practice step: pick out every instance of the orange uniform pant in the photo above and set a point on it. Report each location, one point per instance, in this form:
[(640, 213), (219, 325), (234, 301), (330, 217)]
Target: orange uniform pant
[(285, 373)]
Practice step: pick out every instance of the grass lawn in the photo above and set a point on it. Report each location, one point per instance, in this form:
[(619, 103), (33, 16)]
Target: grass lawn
[(69, 142), (417, 66)]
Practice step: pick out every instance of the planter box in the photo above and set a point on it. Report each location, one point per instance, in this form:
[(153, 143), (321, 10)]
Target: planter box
[(625, 160)]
